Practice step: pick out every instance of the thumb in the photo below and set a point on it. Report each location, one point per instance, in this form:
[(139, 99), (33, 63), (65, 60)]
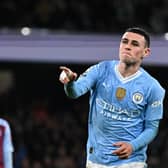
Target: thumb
[(69, 73)]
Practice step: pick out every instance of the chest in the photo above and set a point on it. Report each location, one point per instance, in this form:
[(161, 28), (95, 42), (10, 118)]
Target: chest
[(132, 94)]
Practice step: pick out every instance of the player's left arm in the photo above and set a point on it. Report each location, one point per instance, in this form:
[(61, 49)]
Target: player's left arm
[(149, 133), (126, 148), (153, 115)]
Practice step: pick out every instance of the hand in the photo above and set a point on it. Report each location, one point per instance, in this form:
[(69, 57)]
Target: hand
[(66, 75), (124, 150)]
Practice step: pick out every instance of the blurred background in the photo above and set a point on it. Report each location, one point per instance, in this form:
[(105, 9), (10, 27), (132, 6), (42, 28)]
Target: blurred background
[(49, 130)]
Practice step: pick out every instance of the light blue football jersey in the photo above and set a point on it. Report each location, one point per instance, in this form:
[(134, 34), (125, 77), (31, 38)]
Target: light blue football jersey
[(118, 108)]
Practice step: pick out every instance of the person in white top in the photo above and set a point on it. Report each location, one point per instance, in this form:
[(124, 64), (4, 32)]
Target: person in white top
[(6, 145)]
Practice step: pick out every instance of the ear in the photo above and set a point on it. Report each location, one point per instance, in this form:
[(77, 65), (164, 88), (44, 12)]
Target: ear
[(147, 52)]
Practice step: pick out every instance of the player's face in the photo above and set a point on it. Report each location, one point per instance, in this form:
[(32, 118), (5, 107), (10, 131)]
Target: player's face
[(133, 48)]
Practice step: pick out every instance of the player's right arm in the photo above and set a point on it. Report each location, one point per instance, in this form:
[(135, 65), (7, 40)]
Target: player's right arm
[(75, 87)]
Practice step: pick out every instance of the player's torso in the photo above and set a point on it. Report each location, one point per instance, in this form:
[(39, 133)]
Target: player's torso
[(120, 99), (117, 112)]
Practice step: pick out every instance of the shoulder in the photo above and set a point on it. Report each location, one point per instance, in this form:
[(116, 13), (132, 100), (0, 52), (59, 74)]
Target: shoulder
[(104, 67), (107, 63), (152, 82)]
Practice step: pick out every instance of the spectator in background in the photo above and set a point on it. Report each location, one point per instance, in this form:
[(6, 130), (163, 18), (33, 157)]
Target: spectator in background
[(159, 17), (6, 145)]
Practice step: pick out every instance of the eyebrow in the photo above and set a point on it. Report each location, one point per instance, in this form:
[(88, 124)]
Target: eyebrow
[(130, 40)]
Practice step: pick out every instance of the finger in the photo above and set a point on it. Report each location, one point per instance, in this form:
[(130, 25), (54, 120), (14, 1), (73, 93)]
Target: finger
[(118, 144), (63, 78), (118, 151), (64, 81), (74, 76), (64, 68), (123, 156), (69, 73)]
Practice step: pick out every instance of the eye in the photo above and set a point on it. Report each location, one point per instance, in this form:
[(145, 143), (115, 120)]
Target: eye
[(135, 43), (125, 41)]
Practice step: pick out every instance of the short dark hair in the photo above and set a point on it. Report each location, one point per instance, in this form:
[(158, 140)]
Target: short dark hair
[(142, 32)]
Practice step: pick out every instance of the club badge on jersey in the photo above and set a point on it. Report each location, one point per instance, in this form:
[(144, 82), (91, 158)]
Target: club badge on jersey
[(137, 98)]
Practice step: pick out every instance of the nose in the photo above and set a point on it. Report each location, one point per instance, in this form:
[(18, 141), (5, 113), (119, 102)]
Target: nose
[(128, 46)]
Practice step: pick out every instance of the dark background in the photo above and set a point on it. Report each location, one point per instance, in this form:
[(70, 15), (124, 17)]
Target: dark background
[(85, 15)]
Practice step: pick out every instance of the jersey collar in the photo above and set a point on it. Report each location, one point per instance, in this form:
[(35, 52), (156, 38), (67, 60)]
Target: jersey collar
[(126, 79)]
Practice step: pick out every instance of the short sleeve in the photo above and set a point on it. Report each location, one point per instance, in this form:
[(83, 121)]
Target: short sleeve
[(154, 110)]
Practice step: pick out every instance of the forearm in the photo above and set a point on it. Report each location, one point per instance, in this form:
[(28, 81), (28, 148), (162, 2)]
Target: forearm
[(149, 133), (76, 88), (70, 90)]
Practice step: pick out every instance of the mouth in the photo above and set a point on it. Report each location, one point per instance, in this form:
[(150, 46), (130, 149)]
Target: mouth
[(126, 54)]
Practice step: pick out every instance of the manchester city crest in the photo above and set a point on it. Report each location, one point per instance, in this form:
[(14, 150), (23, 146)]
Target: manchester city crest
[(120, 93), (137, 98)]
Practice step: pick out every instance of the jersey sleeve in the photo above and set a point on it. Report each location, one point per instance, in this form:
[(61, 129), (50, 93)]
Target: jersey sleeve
[(84, 83), (149, 133), (154, 110)]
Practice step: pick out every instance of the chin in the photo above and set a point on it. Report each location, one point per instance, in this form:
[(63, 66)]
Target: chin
[(129, 62)]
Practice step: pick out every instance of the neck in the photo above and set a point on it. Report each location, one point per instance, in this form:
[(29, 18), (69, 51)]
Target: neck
[(127, 69)]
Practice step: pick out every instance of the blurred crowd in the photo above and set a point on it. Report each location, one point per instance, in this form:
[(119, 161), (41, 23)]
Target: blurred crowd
[(49, 130), (110, 16), (49, 140)]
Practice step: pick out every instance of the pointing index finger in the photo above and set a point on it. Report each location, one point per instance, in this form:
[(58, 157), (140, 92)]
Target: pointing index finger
[(64, 68)]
